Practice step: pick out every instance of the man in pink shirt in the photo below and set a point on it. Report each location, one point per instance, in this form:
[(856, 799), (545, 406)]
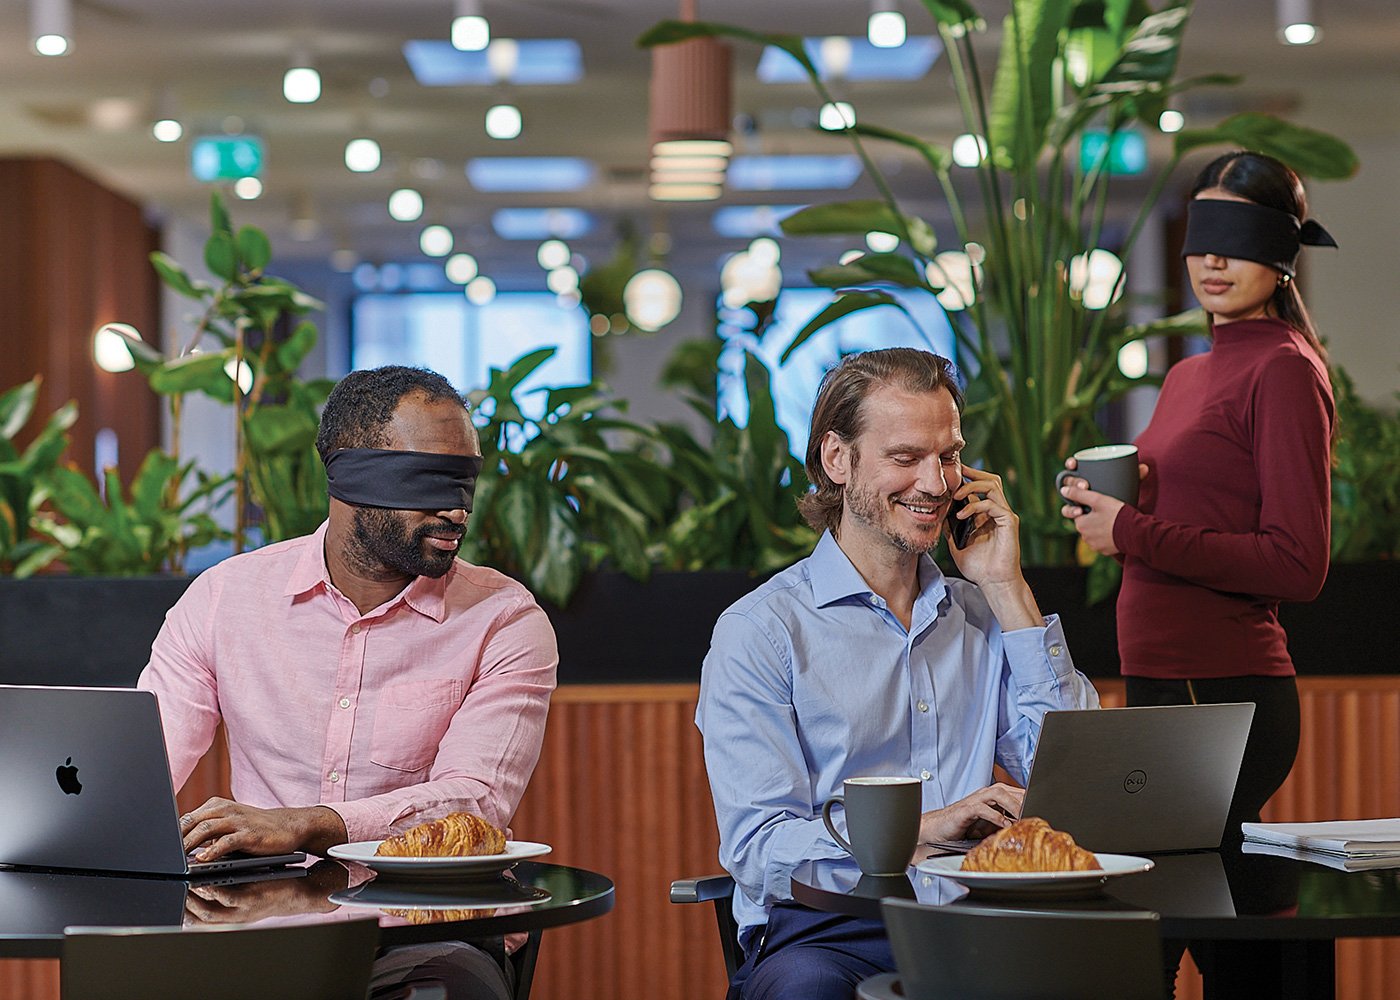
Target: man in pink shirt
[(368, 679)]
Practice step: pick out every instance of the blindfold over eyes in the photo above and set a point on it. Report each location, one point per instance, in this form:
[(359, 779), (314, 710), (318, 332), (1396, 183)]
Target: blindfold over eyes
[(1249, 232), (402, 480)]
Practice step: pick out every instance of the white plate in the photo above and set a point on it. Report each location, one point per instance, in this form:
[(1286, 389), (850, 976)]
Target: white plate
[(1062, 884), (482, 866)]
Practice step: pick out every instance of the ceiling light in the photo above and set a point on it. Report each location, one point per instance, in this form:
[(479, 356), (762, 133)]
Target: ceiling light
[(1132, 359), (301, 84), (1095, 277), (692, 147), (51, 26), (471, 32), (835, 56), (530, 173), (969, 150), (886, 28), (480, 290), (167, 130), (712, 163), (247, 188), (552, 254), (241, 372), (1171, 121), (879, 242), (435, 241), (837, 116), (562, 280), (850, 255), (652, 299), (363, 156), (503, 121), (1296, 25), (502, 58), (461, 268), (406, 205), (957, 274), (685, 192), (110, 348)]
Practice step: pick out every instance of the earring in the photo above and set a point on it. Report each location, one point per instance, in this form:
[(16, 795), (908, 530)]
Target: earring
[(1283, 280)]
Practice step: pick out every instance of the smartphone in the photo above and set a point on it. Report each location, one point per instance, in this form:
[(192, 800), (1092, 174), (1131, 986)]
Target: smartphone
[(959, 530)]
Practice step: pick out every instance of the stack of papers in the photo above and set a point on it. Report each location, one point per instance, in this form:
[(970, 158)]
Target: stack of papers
[(1351, 845)]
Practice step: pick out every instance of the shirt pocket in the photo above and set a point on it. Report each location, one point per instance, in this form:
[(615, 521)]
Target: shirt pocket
[(410, 721)]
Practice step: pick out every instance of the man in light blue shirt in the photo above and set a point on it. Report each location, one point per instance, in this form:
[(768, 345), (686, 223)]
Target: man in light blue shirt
[(864, 659)]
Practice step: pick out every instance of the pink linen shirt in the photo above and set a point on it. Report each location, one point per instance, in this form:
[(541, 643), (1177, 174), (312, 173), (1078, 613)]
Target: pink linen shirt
[(433, 702)]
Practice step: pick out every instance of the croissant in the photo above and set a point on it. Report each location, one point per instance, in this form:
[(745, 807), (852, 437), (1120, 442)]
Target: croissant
[(1029, 845), (419, 916), (455, 835)]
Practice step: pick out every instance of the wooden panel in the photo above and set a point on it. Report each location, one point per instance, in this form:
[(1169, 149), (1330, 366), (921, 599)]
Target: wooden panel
[(621, 789), (73, 256)]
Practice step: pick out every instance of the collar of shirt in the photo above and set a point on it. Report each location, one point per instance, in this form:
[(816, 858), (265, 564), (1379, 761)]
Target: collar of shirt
[(834, 578), (423, 594)]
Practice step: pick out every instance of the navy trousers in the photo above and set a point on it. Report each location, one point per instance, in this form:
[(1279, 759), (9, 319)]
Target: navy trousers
[(809, 955)]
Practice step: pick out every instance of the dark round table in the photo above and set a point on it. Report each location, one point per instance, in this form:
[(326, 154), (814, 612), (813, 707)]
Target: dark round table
[(1281, 917), (36, 906)]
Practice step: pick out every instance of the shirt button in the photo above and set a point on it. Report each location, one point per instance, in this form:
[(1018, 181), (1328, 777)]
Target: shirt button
[(925, 774), (923, 706), (334, 776), (1055, 649), (355, 629), (344, 702)]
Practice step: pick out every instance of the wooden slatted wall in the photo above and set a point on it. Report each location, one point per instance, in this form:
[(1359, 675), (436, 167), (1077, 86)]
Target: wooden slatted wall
[(621, 789)]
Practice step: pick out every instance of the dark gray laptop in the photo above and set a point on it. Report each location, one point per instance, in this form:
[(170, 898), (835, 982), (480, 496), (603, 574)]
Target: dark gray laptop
[(1139, 780), (86, 785)]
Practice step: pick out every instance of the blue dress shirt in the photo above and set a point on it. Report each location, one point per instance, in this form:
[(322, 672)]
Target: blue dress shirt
[(811, 680)]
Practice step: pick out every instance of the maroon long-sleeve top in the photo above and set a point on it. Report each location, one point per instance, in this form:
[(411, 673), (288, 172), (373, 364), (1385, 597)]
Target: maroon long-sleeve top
[(1234, 515)]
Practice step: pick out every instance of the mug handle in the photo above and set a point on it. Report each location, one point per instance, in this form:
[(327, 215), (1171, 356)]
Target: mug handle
[(1060, 481), (830, 826)]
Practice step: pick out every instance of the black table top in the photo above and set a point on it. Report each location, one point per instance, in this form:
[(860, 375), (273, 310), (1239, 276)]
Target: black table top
[(1220, 895), (35, 906)]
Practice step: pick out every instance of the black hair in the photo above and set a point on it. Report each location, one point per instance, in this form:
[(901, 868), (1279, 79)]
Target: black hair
[(1268, 182), (359, 408)]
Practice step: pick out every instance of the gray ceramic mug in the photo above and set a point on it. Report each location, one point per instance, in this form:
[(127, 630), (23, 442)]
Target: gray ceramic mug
[(1111, 469), (882, 817)]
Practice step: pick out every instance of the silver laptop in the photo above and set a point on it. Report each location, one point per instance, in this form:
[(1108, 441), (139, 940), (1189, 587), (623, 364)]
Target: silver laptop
[(86, 785), (1139, 780)]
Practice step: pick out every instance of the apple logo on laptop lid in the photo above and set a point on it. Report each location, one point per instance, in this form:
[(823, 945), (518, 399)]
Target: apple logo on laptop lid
[(67, 776)]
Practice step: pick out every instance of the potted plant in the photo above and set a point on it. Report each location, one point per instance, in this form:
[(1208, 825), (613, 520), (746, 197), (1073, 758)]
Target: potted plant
[(1041, 357)]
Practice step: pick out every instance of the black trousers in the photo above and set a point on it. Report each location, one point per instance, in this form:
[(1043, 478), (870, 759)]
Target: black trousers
[(1268, 757), (1273, 735)]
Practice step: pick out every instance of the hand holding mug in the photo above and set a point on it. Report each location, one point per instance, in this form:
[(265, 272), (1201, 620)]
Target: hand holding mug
[(1098, 483)]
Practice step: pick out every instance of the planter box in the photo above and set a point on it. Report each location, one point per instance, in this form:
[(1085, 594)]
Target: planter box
[(69, 630)]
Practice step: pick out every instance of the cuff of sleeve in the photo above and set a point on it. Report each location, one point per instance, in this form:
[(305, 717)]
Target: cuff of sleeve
[(1030, 651), (1125, 530), (362, 820)]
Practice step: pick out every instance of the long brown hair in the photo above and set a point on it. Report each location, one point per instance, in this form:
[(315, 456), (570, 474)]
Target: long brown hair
[(838, 408), (1268, 182)]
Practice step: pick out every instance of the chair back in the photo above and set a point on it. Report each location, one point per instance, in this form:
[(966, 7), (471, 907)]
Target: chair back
[(983, 953), (310, 961)]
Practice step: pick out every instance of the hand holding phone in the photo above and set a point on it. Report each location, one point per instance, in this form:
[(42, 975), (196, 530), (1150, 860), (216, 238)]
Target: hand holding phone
[(960, 531)]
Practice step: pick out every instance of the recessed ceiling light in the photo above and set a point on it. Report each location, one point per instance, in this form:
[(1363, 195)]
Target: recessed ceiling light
[(503, 121), (435, 241), (362, 155), (461, 268), (552, 254), (406, 205), (167, 130), (247, 188), (480, 290), (301, 85)]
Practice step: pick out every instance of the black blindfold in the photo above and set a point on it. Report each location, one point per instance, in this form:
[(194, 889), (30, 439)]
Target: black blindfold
[(402, 480), (1248, 231)]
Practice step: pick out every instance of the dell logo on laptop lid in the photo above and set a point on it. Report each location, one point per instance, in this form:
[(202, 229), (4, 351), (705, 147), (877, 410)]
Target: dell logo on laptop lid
[(1135, 782)]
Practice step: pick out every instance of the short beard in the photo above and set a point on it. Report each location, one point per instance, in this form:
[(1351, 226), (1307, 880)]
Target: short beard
[(869, 508), (381, 545)]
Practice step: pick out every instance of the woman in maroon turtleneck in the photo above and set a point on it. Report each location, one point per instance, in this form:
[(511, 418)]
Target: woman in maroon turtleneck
[(1234, 512)]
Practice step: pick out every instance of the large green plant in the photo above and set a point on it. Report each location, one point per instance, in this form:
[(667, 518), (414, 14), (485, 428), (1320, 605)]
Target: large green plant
[(565, 492), (737, 505), (1365, 477), (252, 319), (110, 534), (1042, 364), (22, 489)]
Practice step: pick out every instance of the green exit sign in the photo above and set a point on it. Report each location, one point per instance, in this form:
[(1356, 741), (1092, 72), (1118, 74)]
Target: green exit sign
[(1127, 151), (226, 157)]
